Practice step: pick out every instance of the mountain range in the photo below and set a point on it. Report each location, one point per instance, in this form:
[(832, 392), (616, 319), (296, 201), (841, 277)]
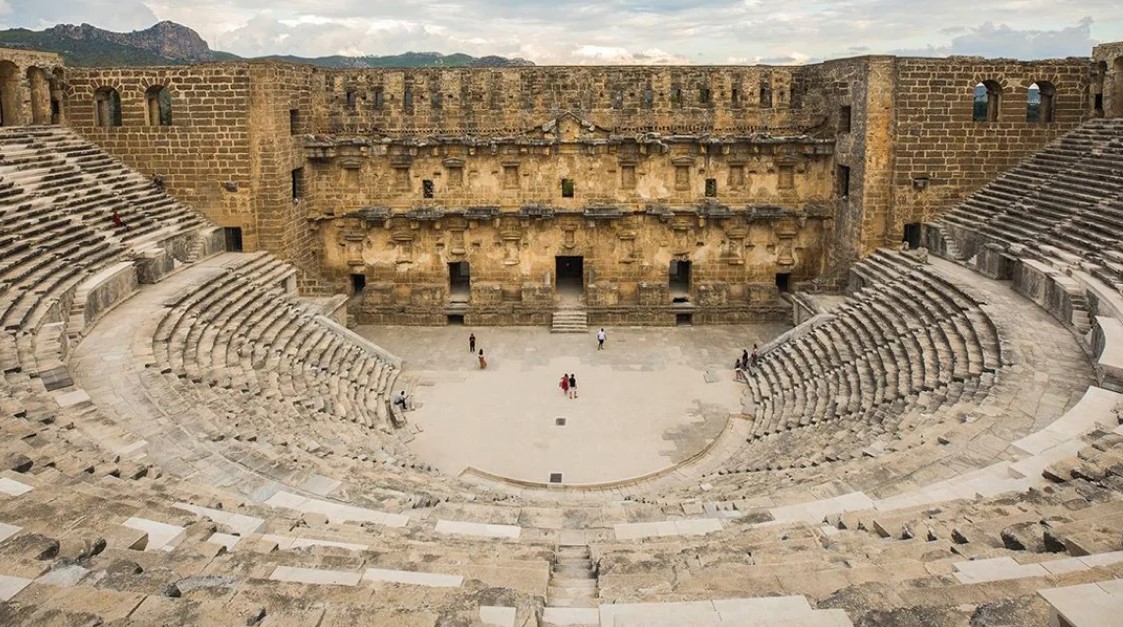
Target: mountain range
[(169, 43)]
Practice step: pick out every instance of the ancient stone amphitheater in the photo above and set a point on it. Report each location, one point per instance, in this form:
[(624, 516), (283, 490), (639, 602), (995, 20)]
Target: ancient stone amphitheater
[(193, 435)]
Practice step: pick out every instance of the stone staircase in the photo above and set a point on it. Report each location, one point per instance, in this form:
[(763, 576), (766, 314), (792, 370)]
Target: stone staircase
[(952, 248), (570, 321), (1081, 320), (571, 598)]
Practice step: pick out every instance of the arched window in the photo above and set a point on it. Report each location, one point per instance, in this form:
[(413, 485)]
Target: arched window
[(40, 95), (159, 101), (10, 99), (988, 100), (107, 107), (1039, 103)]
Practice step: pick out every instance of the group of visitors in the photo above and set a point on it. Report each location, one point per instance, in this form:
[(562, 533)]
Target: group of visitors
[(746, 363), (568, 385), (472, 349)]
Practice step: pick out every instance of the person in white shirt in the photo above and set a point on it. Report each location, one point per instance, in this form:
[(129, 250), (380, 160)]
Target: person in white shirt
[(601, 336)]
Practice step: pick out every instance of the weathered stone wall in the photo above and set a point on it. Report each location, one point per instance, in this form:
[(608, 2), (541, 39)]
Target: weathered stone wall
[(30, 87), (228, 151), (204, 155), (626, 263), (511, 100), (283, 98), (857, 98), (941, 155), (351, 173), (1107, 78)]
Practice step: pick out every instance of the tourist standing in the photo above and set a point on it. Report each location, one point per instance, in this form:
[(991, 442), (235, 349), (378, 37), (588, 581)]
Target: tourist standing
[(472, 343), (572, 386), (601, 337), (564, 384), (754, 358), (483, 362)]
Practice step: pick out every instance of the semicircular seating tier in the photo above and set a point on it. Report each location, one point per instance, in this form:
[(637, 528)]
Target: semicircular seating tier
[(1054, 226), (908, 336)]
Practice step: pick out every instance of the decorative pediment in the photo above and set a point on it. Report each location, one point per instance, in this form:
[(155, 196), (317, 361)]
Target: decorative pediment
[(569, 127)]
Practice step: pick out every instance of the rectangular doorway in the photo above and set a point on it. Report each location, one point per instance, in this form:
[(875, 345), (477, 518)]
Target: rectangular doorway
[(783, 282), (233, 237), (679, 281), (570, 273), (459, 281), (912, 235), (358, 283)]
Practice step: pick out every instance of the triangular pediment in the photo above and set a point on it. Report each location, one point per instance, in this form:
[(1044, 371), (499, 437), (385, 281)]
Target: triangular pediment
[(570, 127)]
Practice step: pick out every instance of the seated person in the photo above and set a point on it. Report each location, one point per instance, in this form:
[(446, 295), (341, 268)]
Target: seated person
[(400, 399)]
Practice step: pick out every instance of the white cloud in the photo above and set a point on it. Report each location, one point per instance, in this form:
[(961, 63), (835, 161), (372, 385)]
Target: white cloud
[(614, 55), (612, 31)]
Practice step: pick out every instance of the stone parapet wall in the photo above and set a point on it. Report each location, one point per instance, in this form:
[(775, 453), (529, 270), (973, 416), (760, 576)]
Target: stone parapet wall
[(435, 101), (941, 154), (203, 156)]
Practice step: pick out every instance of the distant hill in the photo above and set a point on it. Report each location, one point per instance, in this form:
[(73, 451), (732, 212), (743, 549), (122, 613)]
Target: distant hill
[(168, 43), (405, 60)]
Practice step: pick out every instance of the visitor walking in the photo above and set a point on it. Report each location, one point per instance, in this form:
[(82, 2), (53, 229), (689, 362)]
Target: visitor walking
[(744, 358), (483, 362), (601, 337), (472, 343), (572, 386), (564, 384)]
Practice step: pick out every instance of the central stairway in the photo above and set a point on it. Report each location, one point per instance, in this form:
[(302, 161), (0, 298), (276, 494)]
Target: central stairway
[(570, 321), (571, 598)]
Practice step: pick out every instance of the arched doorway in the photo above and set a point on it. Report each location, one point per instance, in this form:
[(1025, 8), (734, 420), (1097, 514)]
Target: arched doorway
[(159, 102), (1039, 103), (58, 96), (40, 95), (10, 98), (988, 101), (107, 107)]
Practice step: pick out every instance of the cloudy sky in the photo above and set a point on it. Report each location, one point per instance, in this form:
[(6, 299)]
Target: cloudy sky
[(612, 31)]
